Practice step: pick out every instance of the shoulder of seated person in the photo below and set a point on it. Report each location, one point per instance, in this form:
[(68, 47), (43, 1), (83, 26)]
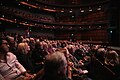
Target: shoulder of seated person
[(9, 54)]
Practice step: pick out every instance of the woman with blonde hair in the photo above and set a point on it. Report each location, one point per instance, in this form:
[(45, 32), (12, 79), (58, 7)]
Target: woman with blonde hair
[(23, 57)]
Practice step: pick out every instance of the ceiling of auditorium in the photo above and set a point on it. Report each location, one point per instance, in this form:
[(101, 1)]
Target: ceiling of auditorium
[(70, 2), (60, 2)]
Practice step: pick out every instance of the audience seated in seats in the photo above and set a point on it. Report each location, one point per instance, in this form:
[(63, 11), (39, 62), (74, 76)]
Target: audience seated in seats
[(10, 68), (77, 59)]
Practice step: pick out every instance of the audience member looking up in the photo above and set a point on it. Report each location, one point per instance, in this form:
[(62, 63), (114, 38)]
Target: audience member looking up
[(10, 68)]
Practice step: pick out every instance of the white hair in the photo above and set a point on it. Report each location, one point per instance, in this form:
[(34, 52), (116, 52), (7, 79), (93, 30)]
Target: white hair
[(55, 62)]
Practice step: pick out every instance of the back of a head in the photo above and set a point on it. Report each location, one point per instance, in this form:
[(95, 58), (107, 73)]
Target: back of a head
[(112, 54), (55, 64), (101, 50)]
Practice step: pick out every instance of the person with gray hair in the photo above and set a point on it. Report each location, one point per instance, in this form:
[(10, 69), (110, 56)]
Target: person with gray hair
[(55, 67)]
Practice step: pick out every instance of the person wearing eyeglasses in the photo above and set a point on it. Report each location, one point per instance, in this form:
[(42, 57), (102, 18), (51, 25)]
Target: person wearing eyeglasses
[(10, 68)]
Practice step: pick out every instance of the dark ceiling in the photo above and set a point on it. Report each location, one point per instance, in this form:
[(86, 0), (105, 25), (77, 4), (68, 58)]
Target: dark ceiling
[(70, 2)]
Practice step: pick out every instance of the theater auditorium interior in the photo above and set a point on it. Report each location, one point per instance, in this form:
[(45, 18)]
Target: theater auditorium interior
[(87, 32)]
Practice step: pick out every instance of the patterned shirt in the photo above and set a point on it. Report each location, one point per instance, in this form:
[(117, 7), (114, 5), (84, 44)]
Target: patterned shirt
[(11, 68)]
